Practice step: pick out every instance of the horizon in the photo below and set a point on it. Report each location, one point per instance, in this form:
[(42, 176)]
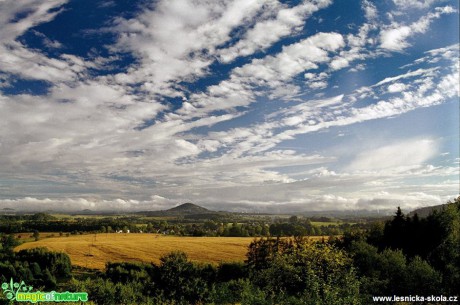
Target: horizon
[(239, 105), (304, 213)]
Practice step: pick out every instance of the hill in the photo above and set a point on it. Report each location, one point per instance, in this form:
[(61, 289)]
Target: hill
[(424, 212), (186, 210)]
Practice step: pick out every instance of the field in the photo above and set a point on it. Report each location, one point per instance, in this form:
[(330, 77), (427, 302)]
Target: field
[(94, 251), (28, 236), (328, 223)]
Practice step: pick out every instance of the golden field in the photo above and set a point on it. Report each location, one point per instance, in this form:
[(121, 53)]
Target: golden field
[(95, 250)]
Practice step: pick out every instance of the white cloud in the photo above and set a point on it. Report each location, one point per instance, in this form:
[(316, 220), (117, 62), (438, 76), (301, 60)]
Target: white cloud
[(339, 63), (411, 74), (318, 85), (266, 32), (17, 17), (316, 81), (17, 59), (273, 71), (51, 44), (311, 116), (405, 154), (407, 202), (176, 40), (397, 87), (79, 204), (370, 11), (394, 37), (359, 46), (418, 4)]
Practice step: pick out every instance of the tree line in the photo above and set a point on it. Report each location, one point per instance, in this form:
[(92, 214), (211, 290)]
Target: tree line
[(293, 226)]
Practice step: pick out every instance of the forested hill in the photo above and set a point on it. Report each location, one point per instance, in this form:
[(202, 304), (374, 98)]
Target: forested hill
[(185, 209), (188, 208), (425, 211)]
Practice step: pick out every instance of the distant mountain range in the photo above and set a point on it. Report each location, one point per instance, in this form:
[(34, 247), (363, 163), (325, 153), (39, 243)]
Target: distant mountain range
[(191, 210)]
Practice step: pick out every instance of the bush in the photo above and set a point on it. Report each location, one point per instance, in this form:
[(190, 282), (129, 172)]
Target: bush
[(297, 270)]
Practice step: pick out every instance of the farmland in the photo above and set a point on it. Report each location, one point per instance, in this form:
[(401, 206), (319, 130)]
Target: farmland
[(95, 250)]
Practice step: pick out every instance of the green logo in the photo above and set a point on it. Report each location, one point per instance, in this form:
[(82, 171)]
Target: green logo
[(20, 292)]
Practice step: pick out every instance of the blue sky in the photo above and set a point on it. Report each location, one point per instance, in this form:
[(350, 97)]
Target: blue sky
[(244, 105)]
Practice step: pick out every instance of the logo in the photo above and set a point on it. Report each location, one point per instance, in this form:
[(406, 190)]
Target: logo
[(21, 292)]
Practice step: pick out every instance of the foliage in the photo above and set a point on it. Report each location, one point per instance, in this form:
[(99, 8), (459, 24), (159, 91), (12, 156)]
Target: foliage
[(57, 263), (297, 269), (408, 255), (8, 243), (36, 235), (38, 267), (181, 280), (225, 224)]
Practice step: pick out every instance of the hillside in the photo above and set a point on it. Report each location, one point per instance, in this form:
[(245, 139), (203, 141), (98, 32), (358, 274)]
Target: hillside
[(188, 209), (185, 209), (424, 212)]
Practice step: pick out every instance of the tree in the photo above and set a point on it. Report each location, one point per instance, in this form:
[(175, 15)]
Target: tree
[(289, 271), (446, 256), (36, 235), (180, 279), (36, 270), (421, 278), (58, 263), (8, 242), (149, 228), (231, 271), (395, 232), (49, 280)]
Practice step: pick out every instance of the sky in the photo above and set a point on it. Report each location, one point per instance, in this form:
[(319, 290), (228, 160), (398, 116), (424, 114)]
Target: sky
[(237, 105)]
